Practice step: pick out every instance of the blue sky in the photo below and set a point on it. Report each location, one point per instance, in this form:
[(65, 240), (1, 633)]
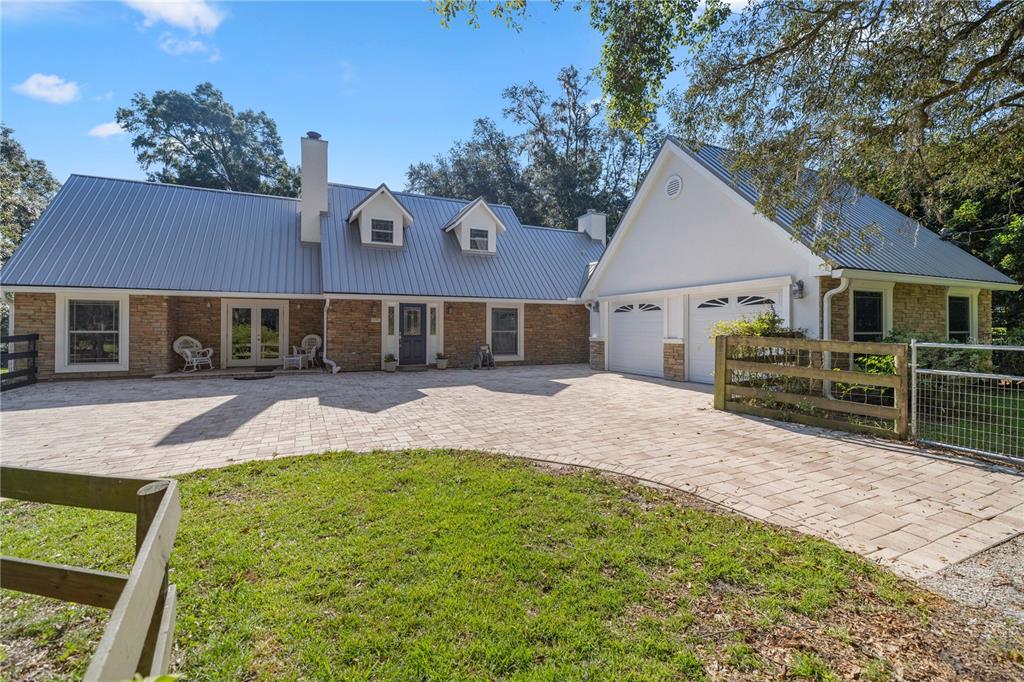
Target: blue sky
[(383, 82)]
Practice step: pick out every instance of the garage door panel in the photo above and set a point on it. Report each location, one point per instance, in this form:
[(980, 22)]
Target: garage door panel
[(708, 310), (635, 337)]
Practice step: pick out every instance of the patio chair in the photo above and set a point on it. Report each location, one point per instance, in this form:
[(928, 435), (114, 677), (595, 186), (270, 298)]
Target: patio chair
[(194, 353), (309, 346)]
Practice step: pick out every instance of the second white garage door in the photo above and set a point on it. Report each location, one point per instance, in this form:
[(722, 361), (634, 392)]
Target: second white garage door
[(705, 311), (635, 336)]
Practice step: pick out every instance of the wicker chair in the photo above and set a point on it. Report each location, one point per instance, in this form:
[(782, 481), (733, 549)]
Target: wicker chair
[(309, 346), (194, 354)]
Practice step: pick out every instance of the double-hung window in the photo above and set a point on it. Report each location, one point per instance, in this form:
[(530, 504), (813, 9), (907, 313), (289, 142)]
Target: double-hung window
[(94, 334), (478, 240), (868, 315), (382, 231), (959, 312), (505, 331)]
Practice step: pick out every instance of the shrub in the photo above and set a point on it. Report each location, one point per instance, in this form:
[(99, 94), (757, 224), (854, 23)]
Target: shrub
[(768, 323)]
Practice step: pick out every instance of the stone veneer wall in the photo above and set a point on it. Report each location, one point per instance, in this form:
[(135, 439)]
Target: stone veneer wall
[(465, 326), (915, 308), (198, 317), (555, 334), (353, 334), (674, 361), (149, 330), (597, 354)]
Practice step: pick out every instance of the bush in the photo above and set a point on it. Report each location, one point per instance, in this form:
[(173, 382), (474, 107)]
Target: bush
[(768, 323)]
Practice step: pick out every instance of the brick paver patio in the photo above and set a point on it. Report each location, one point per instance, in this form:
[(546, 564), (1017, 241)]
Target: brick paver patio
[(913, 510)]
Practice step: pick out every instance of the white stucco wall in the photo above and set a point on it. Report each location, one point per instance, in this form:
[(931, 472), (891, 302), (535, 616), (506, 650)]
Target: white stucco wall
[(707, 235)]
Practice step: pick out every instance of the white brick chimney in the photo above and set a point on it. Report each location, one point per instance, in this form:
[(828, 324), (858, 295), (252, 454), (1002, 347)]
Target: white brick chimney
[(313, 196), (593, 223)]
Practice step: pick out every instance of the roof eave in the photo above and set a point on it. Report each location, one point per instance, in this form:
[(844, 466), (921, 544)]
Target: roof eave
[(853, 273)]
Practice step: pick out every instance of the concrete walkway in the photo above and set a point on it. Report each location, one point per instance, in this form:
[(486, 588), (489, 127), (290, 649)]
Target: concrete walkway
[(913, 510)]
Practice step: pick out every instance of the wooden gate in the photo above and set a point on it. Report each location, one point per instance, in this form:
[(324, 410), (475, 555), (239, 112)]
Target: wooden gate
[(849, 385)]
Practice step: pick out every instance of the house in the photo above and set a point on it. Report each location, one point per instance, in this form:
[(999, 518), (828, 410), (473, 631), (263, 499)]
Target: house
[(115, 270), (691, 251)]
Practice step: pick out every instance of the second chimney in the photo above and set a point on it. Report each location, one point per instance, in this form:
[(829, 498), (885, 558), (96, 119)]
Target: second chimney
[(313, 196), (593, 223)]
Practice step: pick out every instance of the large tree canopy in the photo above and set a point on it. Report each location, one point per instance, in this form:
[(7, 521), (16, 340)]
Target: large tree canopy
[(562, 159), (920, 102), (26, 187), (199, 139)]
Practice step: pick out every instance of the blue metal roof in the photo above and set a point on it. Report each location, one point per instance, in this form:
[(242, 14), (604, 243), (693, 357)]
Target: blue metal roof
[(127, 234), (533, 263), (894, 242)]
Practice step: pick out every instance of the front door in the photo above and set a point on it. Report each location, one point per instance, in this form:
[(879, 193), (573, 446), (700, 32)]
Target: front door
[(256, 332), (412, 344)]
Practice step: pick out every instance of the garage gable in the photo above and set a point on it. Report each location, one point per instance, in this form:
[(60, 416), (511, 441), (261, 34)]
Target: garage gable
[(686, 227)]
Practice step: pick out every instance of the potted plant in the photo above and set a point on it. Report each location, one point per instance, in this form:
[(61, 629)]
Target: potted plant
[(390, 362), (442, 360)]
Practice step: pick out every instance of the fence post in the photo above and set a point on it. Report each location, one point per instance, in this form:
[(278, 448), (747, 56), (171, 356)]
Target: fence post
[(900, 398), (721, 358), (913, 388), (148, 501)]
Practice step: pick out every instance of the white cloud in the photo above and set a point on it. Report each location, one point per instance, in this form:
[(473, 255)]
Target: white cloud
[(106, 95), (177, 46), (347, 70), (49, 88), (196, 16), (105, 130)]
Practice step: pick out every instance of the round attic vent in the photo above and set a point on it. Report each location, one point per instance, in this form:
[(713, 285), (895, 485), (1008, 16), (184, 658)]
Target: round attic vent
[(673, 187)]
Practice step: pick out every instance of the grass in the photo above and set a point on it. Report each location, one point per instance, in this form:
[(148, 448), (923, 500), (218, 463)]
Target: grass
[(438, 565)]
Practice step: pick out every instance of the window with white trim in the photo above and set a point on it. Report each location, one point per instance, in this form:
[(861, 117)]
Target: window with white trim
[(94, 335), (649, 307), (382, 231), (624, 308), (959, 316), (714, 303), (754, 300), (505, 331), (479, 240), (868, 315)]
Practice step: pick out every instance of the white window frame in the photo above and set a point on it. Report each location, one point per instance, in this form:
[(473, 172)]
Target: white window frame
[(486, 237), (886, 290), (520, 336), (972, 296), (390, 242), (61, 364)]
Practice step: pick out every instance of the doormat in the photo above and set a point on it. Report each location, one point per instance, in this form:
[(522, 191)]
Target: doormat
[(253, 377), (265, 369)]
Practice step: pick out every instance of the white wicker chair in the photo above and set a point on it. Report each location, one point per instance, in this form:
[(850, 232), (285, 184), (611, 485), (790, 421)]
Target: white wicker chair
[(195, 355), (309, 346)]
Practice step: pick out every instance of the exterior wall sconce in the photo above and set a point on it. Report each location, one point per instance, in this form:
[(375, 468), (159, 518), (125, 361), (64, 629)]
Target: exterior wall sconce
[(373, 310), (449, 309), (797, 288)]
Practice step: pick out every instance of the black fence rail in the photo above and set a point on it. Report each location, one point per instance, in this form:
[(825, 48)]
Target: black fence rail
[(18, 367)]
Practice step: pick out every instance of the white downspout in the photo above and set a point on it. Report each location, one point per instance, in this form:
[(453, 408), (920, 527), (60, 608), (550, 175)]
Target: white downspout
[(327, 361), (826, 332)]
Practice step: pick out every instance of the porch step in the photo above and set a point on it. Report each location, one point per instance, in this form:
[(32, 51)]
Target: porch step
[(412, 368)]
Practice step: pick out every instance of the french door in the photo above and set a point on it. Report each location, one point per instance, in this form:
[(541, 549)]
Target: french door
[(255, 332)]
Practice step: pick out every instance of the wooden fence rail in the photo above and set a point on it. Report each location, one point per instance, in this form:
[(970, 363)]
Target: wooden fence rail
[(15, 378), (761, 360), (140, 632)]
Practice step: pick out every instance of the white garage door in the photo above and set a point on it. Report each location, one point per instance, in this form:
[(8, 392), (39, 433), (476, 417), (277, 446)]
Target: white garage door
[(635, 335), (705, 311)]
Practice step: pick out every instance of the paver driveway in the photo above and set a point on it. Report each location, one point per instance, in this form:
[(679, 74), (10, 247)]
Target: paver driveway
[(913, 510)]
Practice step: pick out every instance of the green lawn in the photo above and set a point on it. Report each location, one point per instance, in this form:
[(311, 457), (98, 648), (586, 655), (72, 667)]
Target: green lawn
[(978, 420), (440, 565)]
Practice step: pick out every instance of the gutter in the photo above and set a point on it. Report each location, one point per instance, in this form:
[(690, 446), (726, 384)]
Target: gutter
[(826, 331), (875, 276), (327, 361)]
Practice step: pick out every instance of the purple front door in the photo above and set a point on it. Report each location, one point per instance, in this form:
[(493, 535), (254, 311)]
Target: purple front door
[(412, 345)]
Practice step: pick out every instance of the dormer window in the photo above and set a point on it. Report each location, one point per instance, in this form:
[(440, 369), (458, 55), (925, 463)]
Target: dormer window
[(476, 227), (381, 218), (479, 240), (382, 231)]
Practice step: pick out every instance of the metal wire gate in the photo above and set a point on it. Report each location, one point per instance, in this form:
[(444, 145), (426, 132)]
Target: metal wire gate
[(969, 397)]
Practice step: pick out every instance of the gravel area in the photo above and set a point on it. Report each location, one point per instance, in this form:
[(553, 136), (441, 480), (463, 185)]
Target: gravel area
[(992, 579)]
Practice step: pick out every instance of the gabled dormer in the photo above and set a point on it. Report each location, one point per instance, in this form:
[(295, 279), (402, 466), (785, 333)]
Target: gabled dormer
[(381, 217), (476, 227)]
